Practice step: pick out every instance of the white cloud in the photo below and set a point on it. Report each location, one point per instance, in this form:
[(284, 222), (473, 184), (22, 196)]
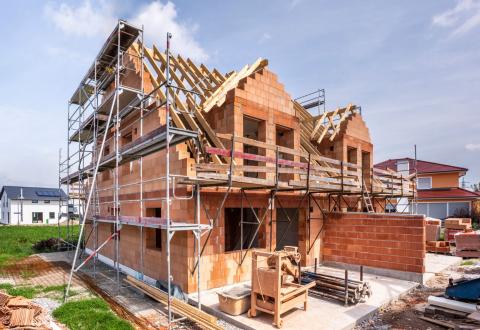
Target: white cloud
[(265, 37), (464, 17), (294, 3), (472, 146), (85, 20), (158, 19), (98, 17)]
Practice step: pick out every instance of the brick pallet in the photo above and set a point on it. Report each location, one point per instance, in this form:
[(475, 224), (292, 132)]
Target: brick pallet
[(468, 244), (458, 223)]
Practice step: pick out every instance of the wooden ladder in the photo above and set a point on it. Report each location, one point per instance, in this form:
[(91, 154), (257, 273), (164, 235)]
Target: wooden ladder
[(366, 198)]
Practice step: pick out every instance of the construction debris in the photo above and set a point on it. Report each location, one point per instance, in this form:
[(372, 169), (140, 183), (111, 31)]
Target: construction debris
[(334, 287), (450, 314), (20, 312), (452, 304), (203, 319)]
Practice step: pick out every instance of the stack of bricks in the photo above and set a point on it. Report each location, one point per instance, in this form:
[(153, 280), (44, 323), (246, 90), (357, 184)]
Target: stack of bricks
[(468, 244), (438, 246), (432, 235), (385, 241), (456, 225), (432, 229)]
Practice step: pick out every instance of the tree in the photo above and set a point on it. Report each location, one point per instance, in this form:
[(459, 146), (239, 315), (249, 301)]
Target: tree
[(476, 186)]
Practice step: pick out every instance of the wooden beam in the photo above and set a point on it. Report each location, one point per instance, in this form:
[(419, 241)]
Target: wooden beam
[(340, 121), (204, 319)]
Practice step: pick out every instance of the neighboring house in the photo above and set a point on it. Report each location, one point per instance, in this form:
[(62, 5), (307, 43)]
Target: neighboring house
[(439, 194), (31, 205)]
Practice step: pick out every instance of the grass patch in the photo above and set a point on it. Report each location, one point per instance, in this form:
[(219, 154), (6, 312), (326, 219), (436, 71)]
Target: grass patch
[(16, 241), (24, 291), (470, 262), (55, 288), (73, 314), (30, 292)]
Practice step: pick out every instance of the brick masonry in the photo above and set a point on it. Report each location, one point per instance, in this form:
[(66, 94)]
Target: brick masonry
[(261, 97), (395, 242)]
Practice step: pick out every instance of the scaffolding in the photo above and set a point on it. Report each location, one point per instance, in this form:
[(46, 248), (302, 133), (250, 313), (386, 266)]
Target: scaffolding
[(186, 92), (100, 109)]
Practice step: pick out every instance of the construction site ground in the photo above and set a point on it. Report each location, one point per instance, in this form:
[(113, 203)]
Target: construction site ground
[(142, 311), (404, 312), (326, 314), (392, 305)]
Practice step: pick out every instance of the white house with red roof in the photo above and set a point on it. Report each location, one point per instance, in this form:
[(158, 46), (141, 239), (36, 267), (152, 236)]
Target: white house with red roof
[(439, 194)]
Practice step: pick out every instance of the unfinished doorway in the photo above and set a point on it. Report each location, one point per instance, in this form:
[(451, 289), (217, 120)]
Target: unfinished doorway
[(287, 230)]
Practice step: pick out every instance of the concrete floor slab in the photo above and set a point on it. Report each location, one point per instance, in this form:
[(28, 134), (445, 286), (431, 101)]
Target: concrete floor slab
[(436, 263), (321, 313), (326, 314)]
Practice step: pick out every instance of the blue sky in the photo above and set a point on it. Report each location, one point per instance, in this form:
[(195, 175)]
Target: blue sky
[(413, 66)]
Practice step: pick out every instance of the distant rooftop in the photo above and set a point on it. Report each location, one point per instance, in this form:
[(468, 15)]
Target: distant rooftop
[(422, 166), (33, 193), (448, 193)]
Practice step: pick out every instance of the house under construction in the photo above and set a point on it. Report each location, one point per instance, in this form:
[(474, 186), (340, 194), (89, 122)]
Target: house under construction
[(181, 171)]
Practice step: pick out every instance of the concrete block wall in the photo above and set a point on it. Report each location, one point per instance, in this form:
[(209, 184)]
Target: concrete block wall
[(385, 241)]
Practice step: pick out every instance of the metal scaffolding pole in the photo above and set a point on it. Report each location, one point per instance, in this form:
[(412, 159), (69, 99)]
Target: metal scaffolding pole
[(167, 183), (117, 160)]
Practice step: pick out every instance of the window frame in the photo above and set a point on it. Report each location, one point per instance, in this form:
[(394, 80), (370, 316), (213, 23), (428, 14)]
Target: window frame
[(424, 177), (35, 217)]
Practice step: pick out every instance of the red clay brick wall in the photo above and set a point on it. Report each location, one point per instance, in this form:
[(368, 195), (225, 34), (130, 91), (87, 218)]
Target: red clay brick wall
[(386, 241)]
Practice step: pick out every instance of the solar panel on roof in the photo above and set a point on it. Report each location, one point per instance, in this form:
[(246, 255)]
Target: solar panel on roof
[(47, 193)]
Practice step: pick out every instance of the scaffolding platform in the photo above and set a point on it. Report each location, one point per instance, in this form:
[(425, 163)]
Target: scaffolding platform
[(121, 38), (85, 134), (151, 222), (127, 97), (149, 143), (141, 147)]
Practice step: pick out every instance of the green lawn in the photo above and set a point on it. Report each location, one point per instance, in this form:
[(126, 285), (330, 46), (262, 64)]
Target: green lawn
[(30, 292), (89, 314), (16, 241)]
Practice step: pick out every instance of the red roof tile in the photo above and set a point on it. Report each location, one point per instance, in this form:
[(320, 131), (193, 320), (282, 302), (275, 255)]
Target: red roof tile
[(422, 166), (447, 193)]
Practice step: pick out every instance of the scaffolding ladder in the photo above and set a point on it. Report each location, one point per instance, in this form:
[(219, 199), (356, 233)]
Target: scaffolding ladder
[(367, 201)]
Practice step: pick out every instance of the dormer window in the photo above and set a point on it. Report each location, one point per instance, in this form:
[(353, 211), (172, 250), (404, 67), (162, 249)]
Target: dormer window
[(403, 166)]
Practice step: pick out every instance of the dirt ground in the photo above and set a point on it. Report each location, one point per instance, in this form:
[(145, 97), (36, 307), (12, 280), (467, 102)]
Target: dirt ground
[(404, 313)]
